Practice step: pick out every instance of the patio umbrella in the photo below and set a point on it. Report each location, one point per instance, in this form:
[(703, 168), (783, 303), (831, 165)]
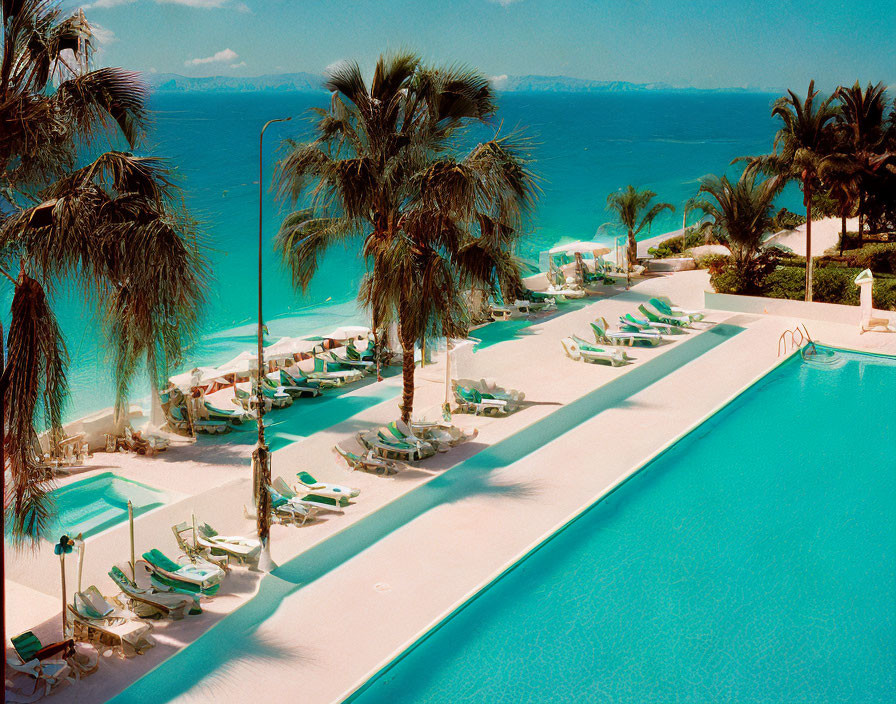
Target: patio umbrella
[(63, 548)]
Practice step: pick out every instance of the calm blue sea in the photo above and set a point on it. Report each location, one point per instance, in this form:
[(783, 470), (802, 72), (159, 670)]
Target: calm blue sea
[(583, 147)]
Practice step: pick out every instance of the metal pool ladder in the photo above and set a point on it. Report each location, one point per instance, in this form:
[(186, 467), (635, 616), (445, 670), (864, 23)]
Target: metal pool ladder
[(798, 337)]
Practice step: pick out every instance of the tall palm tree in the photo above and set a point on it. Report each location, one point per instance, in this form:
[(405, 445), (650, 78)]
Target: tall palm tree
[(116, 228), (738, 214), (634, 212), (800, 146), (384, 168), (861, 119), (841, 176)]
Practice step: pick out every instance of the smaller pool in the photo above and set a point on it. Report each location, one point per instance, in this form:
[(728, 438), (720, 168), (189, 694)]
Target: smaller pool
[(99, 502)]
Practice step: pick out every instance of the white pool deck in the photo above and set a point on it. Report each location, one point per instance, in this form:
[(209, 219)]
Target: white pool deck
[(331, 635)]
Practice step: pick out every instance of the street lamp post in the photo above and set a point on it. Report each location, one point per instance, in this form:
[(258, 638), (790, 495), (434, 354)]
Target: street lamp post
[(261, 459)]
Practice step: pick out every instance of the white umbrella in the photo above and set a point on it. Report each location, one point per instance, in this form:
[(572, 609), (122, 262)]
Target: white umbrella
[(200, 376), (595, 248), (243, 363), (287, 347), (347, 332)]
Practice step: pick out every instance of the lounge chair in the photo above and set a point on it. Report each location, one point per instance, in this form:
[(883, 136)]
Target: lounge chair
[(631, 322), (179, 420), (311, 484), (439, 433), (310, 388), (224, 415), (278, 395), (565, 291), (244, 551), (366, 355), (401, 432), (248, 401), (312, 500), (202, 577), (288, 511), (391, 448), (291, 390), (665, 305), (491, 390), (340, 376), (98, 622), (471, 400), (150, 602), (49, 665), (347, 362), (581, 351), (368, 462), (623, 337), (655, 316)]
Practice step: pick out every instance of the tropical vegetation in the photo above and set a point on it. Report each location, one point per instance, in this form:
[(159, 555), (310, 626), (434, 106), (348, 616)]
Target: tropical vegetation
[(633, 212), (112, 226), (390, 169)]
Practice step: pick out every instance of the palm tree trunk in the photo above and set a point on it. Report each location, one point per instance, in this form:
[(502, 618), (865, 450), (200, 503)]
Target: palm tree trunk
[(632, 254), (842, 230), (807, 194), (407, 380), (861, 216), (407, 375)]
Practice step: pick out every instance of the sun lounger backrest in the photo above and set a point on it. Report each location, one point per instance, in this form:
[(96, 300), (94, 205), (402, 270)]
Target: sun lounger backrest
[(26, 645), (306, 478), (160, 560), (283, 488)]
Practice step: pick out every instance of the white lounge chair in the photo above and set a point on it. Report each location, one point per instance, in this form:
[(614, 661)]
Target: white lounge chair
[(602, 335), (368, 462), (98, 622), (581, 351), (309, 483)]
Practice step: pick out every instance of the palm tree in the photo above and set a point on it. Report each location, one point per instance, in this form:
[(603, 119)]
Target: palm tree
[(116, 228), (739, 214), (841, 175), (384, 167), (800, 146), (861, 119), (631, 208)]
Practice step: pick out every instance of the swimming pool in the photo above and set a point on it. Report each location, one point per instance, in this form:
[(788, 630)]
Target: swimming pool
[(752, 561), (96, 503)]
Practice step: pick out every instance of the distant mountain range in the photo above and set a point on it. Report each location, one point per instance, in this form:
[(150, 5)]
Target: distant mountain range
[(310, 82)]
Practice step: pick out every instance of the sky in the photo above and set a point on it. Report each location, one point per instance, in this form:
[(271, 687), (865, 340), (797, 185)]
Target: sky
[(687, 43)]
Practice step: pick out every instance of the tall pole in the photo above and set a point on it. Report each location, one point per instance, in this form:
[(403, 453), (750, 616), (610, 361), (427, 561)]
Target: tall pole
[(261, 460)]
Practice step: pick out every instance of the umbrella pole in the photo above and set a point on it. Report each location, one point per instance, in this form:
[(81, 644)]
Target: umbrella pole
[(81, 548), (131, 525), (64, 599)]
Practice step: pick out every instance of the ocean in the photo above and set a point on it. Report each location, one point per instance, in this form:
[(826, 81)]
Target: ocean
[(583, 147)]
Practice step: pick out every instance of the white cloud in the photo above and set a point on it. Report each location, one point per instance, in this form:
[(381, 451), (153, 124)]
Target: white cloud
[(100, 4), (102, 35), (498, 82), (241, 64), (200, 4), (504, 3), (219, 57)]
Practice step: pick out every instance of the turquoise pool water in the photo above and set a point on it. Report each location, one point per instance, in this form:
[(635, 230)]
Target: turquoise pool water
[(753, 561), (236, 636), (94, 504)]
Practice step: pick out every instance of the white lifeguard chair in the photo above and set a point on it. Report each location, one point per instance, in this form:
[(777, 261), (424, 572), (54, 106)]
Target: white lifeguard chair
[(865, 282)]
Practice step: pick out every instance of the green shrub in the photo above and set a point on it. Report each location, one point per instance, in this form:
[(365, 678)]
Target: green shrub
[(835, 285), (786, 282), (785, 220), (884, 294), (713, 262), (677, 246), (880, 257), (726, 277)]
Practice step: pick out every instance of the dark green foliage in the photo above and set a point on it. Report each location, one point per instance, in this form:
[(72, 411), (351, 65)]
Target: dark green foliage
[(678, 245), (785, 220), (746, 277), (879, 257), (832, 284)]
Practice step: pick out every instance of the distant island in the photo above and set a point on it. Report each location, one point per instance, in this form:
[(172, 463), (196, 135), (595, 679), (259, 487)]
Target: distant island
[(310, 82)]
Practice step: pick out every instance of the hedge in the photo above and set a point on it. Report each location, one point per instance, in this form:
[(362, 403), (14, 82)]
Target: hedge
[(832, 284)]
